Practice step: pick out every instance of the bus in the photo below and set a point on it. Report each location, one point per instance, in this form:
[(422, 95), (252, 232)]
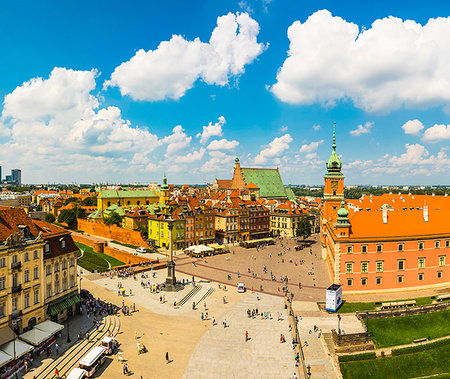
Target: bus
[(93, 360)]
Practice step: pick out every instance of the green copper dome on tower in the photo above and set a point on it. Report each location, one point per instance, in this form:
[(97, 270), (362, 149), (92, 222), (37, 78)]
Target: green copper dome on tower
[(342, 219), (164, 186), (334, 164)]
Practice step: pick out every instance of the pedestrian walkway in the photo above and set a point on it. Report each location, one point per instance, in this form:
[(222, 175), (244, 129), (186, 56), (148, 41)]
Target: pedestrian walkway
[(224, 353), (314, 343)]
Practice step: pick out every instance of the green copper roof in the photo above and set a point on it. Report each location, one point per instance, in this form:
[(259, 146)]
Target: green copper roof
[(118, 194), (342, 219), (114, 208), (95, 215), (267, 179), (165, 186), (291, 195), (334, 164)]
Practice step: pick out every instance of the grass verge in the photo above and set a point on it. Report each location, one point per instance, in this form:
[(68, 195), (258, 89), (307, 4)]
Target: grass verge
[(403, 330), (371, 306), (430, 362), (94, 261)]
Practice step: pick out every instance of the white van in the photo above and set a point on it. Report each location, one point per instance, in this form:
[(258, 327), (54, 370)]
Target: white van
[(76, 373), (241, 287), (93, 360)]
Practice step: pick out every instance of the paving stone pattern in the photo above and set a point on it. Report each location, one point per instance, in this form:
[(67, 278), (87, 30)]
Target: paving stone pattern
[(224, 353)]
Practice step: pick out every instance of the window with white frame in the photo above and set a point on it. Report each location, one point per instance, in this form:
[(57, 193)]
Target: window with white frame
[(27, 300), (2, 282), (36, 296), (442, 260), (36, 272), (26, 276), (49, 290)]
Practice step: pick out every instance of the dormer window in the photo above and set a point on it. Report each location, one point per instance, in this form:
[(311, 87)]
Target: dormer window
[(46, 248), (62, 243)]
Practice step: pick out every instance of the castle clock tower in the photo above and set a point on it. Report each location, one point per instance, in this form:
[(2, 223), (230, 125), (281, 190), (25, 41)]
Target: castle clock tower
[(334, 182)]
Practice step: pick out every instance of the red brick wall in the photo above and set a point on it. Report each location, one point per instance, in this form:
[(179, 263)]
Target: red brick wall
[(113, 232)]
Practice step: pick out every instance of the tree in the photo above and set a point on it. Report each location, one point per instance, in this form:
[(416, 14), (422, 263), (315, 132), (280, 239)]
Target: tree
[(303, 228), (89, 201), (49, 217), (113, 218), (69, 216), (70, 200)]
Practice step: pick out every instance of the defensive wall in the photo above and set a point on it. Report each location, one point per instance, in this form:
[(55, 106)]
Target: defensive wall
[(114, 232)]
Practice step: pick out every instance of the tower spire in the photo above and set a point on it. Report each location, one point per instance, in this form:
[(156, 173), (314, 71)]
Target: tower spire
[(334, 136)]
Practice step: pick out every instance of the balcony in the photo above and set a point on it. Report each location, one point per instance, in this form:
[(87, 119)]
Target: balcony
[(16, 265), (17, 288)]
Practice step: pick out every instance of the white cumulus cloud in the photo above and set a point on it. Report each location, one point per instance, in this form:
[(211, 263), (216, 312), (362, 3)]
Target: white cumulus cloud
[(362, 129), (395, 63), (437, 133), (310, 147), (177, 140), (277, 147), (56, 130), (222, 144), (191, 157), (172, 69), (211, 130), (412, 127)]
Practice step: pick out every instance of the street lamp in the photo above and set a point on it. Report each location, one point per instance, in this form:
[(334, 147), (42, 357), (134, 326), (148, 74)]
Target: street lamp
[(308, 370), (14, 323), (67, 314), (339, 324)]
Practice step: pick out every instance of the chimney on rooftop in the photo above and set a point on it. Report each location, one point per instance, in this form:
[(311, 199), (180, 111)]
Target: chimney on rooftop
[(385, 216), (425, 213)]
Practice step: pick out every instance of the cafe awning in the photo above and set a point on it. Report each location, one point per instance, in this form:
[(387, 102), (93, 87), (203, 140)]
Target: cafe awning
[(21, 348), (34, 336), (61, 304), (4, 358), (50, 327)]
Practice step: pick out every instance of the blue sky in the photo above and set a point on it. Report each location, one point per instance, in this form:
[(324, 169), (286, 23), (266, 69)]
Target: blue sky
[(108, 91)]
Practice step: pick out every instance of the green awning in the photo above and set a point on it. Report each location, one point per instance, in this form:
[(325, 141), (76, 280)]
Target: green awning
[(61, 304)]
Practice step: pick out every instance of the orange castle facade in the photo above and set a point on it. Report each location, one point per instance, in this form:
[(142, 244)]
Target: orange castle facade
[(388, 242)]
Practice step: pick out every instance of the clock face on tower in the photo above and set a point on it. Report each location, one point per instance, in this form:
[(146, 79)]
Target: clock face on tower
[(334, 184)]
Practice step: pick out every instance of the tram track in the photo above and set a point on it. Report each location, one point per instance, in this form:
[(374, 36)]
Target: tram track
[(71, 357)]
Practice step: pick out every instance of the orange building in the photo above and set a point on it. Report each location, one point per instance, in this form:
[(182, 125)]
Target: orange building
[(388, 242)]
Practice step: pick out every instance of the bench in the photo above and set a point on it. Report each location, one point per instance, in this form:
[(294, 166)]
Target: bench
[(420, 340), (443, 297), (398, 304)]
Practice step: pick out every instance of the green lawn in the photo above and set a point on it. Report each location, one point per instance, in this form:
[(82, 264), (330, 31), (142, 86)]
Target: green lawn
[(94, 261), (361, 307), (403, 330), (430, 362)]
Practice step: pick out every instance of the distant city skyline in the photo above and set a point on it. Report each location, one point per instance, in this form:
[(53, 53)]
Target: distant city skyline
[(263, 80)]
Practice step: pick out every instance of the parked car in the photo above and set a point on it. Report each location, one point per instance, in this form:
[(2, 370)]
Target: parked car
[(241, 287), (141, 250)]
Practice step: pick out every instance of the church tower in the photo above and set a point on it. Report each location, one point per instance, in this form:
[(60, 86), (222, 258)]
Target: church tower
[(164, 194), (334, 182)]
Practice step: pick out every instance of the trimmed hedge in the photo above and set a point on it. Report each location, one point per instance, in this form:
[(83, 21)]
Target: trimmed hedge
[(424, 347), (357, 357)]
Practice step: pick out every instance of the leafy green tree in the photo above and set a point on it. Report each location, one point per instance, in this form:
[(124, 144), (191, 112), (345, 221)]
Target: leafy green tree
[(303, 228), (89, 201), (113, 218), (69, 216), (70, 200), (49, 217)]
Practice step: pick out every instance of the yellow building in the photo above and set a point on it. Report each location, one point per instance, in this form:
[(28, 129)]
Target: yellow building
[(135, 219), (158, 230), (126, 199), (26, 248)]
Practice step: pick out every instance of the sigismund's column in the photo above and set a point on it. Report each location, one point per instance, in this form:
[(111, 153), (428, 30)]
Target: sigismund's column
[(171, 281)]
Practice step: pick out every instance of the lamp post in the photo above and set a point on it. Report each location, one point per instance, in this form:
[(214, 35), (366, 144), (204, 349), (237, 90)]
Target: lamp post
[(67, 314), (308, 370), (14, 324), (339, 324)]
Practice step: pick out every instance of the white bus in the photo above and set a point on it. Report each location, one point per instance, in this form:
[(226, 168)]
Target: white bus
[(93, 360)]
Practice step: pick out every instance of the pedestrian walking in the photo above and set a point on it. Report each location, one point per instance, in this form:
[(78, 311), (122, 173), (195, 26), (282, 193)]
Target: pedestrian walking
[(57, 349), (167, 357), (246, 336)]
